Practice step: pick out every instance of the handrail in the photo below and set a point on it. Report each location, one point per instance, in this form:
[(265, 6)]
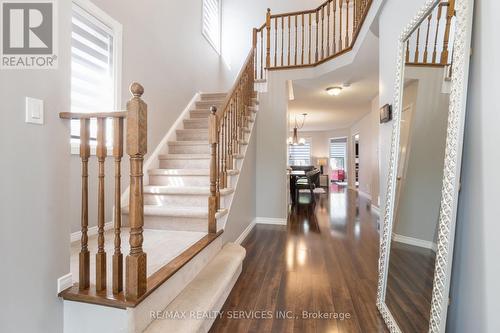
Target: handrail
[(80, 115), (136, 136), (308, 38), (226, 132)]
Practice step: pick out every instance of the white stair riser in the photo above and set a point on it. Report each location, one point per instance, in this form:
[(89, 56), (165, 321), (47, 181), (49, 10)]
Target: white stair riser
[(196, 123), (176, 200), (195, 114), (176, 223), (208, 104), (185, 164), (189, 149), (172, 180), (192, 135)]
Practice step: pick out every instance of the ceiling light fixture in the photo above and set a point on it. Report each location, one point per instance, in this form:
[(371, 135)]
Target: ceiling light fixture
[(334, 91)]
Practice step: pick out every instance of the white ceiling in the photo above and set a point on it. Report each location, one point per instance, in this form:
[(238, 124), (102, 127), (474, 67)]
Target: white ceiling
[(327, 112)]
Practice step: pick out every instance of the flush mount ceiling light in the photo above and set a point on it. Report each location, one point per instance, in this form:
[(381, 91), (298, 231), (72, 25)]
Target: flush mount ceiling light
[(334, 91)]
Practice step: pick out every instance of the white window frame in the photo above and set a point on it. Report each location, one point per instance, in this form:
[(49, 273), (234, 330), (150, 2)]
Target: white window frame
[(207, 37), (117, 29), (308, 140)]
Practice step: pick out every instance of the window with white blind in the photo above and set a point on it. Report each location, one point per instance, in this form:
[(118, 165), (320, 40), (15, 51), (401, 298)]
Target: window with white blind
[(338, 154), (95, 65), (211, 22), (300, 154)]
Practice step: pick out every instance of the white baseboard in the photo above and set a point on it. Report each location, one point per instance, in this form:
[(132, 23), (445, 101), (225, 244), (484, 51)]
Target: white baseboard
[(375, 210), (270, 220), (415, 242), (64, 282), (245, 233), (76, 236), (364, 194)]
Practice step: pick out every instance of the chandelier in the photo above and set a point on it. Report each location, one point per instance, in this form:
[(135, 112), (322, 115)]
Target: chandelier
[(294, 140)]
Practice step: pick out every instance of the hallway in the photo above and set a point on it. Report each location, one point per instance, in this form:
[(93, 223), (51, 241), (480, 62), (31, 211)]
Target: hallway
[(324, 262)]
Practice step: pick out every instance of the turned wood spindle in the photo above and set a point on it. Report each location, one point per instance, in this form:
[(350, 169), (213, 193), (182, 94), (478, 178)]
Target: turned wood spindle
[(310, 38), (347, 24), (100, 259), (449, 17), (417, 47), (341, 45), (317, 37), (426, 54), (212, 140), (289, 19), (136, 261), (296, 41), (117, 255), (282, 39), (303, 41), (262, 53), (328, 29), (84, 257), (268, 36), (334, 26), (276, 41), (322, 32), (254, 46), (434, 53)]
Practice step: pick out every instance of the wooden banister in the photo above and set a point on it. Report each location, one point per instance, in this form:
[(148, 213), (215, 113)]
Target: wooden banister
[(417, 48), (136, 136), (331, 30)]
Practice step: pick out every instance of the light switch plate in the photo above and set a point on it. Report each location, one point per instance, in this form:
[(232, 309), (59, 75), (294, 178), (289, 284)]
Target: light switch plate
[(34, 111)]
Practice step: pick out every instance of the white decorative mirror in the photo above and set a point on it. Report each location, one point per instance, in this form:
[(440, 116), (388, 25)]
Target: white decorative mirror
[(416, 251)]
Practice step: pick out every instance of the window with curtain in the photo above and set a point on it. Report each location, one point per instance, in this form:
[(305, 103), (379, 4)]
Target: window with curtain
[(211, 22), (338, 154), (93, 69), (300, 154)]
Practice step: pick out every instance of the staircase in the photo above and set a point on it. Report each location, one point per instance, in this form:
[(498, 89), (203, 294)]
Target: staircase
[(176, 197)]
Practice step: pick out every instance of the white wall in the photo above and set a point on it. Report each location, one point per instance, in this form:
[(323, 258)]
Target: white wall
[(475, 289), (368, 130), (164, 50), (34, 192), (420, 196)]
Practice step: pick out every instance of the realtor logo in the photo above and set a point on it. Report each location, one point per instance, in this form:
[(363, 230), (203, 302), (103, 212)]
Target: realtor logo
[(28, 35)]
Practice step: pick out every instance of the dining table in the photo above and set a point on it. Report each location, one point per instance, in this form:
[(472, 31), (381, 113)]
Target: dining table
[(294, 174)]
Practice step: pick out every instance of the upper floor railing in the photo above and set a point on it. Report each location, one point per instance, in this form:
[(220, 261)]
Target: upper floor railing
[(431, 42), (307, 38)]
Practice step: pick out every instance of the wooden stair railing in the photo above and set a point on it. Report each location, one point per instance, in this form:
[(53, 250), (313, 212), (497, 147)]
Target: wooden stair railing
[(429, 44), (136, 136), (307, 38), (226, 133)]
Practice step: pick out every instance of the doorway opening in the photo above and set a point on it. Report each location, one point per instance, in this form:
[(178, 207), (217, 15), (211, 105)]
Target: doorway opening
[(338, 161), (356, 160)]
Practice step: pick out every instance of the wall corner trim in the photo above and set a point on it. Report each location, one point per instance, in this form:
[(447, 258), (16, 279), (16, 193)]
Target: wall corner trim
[(245, 233), (64, 282), (270, 220), (375, 210)]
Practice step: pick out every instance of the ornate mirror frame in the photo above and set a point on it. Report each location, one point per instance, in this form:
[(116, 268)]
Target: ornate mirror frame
[(452, 165)]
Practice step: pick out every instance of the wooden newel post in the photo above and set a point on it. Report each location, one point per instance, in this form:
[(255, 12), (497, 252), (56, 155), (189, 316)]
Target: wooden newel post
[(254, 45), (213, 141), (268, 41), (136, 148)]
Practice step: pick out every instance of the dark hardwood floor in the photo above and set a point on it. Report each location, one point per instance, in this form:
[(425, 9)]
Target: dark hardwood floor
[(324, 261), (409, 286)]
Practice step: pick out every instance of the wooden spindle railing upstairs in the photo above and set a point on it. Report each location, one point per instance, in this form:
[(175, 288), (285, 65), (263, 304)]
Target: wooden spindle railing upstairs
[(430, 43), (136, 134), (227, 128), (307, 38)]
